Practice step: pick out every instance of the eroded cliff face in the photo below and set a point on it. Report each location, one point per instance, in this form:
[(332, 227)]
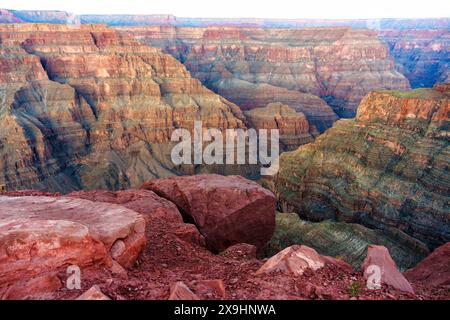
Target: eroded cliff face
[(421, 55), (294, 129), (298, 67), (86, 107), (387, 169)]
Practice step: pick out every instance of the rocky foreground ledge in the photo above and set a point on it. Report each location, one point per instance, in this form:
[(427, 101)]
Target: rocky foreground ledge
[(181, 238)]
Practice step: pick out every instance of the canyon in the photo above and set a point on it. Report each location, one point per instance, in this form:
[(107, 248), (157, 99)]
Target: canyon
[(86, 176), (91, 108), (387, 169), (322, 72)]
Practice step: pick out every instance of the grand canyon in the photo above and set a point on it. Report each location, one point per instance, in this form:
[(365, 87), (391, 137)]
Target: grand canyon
[(88, 105)]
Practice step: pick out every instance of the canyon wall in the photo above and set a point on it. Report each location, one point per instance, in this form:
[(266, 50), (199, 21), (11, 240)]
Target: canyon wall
[(299, 67), (423, 56), (386, 169), (86, 107)]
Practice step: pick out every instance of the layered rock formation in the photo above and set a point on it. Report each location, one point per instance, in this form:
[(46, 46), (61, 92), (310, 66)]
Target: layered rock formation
[(88, 107), (387, 169), (347, 241), (291, 66), (294, 129), (421, 55)]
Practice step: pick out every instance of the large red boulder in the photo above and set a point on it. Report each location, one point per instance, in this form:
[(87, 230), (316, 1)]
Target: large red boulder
[(226, 209), (146, 202), (434, 270), (378, 256), (43, 235)]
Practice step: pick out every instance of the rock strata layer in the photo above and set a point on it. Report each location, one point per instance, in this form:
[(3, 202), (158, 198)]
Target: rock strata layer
[(386, 169)]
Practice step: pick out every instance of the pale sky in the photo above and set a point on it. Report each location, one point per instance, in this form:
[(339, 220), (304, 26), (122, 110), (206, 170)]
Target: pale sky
[(284, 9)]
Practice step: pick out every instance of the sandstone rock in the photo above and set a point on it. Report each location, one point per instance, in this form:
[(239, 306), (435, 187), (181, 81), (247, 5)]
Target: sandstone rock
[(240, 251), (206, 200), (73, 118), (188, 232), (293, 260), (179, 291), (339, 64), (379, 256), (434, 270), (40, 235), (294, 129), (386, 169), (338, 263), (94, 293), (40, 287), (34, 248), (144, 202)]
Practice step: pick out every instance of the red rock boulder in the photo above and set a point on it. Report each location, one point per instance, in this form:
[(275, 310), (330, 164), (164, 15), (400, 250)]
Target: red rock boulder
[(379, 256), (434, 270), (226, 209), (293, 260), (146, 202), (44, 235)]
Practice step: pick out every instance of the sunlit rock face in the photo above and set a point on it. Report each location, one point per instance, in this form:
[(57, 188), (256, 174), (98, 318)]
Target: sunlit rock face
[(88, 107), (421, 55), (388, 168), (298, 67)]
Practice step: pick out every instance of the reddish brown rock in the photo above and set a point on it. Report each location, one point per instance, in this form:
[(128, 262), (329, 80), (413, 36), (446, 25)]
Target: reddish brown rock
[(179, 291), (338, 263), (339, 64), (41, 235), (379, 256), (187, 232), (91, 108), (210, 288), (94, 293), (294, 129), (145, 202), (293, 260), (34, 248), (434, 270), (226, 210), (40, 287), (240, 251)]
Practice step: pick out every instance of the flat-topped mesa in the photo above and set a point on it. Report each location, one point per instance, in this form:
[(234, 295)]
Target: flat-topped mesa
[(387, 169), (87, 106), (338, 64), (294, 129)]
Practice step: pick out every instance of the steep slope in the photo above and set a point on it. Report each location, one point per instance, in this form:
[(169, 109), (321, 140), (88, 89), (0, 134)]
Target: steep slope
[(296, 66), (387, 169), (89, 107), (423, 56)]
